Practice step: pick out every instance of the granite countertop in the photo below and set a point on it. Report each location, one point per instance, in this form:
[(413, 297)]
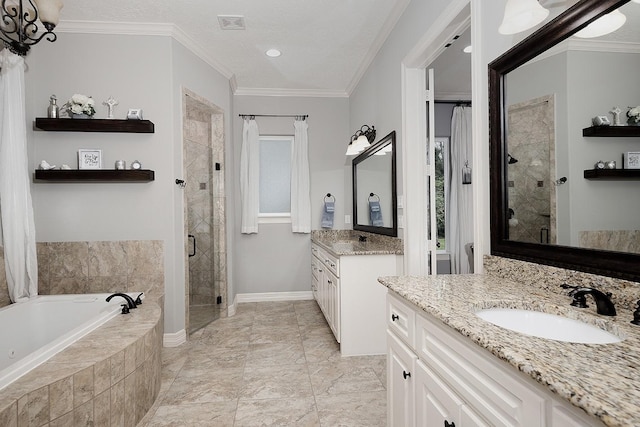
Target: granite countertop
[(602, 379), (346, 242)]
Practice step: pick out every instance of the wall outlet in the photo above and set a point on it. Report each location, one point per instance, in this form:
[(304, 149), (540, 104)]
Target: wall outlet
[(347, 219)]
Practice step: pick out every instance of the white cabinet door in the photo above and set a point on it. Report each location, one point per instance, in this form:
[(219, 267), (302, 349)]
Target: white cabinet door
[(401, 362), (333, 303), (436, 403)]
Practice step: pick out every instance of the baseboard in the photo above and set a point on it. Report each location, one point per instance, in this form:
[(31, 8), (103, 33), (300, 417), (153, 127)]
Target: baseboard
[(274, 296), (231, 310), (174, 340)]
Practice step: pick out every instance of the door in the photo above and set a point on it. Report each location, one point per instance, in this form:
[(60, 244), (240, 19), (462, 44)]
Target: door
[(400, 365)]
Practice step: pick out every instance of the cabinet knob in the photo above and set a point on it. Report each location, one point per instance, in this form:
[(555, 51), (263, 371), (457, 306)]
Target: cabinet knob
[(394, 317), (449, 424), (406, 375)]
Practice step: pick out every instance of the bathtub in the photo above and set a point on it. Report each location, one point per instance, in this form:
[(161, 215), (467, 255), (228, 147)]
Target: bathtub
[(34, 331)]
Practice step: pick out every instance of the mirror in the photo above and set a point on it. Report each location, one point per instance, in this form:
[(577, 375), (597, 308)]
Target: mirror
[(542, 93), (374, 188)]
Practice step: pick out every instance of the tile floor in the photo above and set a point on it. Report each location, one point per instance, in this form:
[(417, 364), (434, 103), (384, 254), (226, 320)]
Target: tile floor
[(272, 364)]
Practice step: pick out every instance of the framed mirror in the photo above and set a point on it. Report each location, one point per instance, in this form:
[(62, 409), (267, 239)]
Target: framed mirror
[(374, 188), (539, 137)]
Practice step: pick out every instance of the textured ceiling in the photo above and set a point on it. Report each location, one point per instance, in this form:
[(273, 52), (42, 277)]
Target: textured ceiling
[(325, 44)]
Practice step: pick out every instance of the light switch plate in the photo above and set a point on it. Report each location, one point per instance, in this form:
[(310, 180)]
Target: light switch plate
[(347, 219)]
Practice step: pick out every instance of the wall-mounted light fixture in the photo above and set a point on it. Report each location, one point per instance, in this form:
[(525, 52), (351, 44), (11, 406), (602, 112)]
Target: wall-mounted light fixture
[(520, 15), (19, 22), (361, 140)]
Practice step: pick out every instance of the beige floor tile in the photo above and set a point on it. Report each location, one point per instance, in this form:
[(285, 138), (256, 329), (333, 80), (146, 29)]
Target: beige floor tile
[(273, 382), (298, 412), (215, 386), (218, 414), (343, 377), (353, 410), (272, 364)]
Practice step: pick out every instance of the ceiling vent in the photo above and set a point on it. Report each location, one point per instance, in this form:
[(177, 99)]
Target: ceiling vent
[(231, 22)]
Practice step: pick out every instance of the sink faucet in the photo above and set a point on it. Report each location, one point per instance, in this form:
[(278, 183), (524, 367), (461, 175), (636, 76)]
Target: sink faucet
[(604, 305), (130, 300)]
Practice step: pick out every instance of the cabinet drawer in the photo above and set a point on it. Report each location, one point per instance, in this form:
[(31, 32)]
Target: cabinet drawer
[(504, 401), (401, 319), (332, 263)]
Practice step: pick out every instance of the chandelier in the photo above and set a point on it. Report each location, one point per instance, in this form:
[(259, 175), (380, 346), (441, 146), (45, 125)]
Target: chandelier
[(24, 23)]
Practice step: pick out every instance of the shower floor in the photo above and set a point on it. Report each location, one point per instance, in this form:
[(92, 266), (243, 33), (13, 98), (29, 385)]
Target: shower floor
[(201, 315)]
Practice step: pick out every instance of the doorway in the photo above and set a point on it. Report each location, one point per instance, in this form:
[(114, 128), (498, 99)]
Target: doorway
[(204, 212)]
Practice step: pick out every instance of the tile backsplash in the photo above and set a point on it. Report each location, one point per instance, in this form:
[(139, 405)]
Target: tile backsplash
[(94, 267)]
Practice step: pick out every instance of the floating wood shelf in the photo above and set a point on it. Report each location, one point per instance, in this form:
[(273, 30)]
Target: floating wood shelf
[(95, 125), (613, 174), (612, 131), (95, 175)]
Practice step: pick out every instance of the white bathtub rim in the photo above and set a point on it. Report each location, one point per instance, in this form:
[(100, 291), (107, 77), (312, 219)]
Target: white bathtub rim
[(40, 356)]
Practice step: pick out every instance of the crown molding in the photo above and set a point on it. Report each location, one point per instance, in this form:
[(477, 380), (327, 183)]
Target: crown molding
[(377, 44), (307, 93), (144, 29)]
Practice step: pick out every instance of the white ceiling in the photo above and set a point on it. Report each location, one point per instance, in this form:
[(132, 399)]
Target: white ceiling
[(325, 44)]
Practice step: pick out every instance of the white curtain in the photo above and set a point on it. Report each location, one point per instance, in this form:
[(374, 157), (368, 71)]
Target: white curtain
[(250, 176), (300, 199), (16, 210), (460, 195)]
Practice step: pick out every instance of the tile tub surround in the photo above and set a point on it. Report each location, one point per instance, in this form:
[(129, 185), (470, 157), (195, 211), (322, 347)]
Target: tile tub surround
[(97, 267), (600, 379), (111, 376), (345, 242), (625, 294)]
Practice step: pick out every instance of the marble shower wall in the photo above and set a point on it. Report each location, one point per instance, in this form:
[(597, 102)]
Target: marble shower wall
[(205, 202), (531, 181)]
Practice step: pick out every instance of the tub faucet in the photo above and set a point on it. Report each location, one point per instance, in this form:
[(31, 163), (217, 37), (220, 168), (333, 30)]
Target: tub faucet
[(604, 304), (130, 300)]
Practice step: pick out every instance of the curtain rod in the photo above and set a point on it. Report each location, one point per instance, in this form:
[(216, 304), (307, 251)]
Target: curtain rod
[(304, 116), (453, 102)]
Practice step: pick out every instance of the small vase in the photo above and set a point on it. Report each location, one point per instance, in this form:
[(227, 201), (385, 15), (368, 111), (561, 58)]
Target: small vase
[(80, 116)]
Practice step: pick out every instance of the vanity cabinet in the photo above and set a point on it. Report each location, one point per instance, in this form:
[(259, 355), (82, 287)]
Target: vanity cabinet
[(437, 377), (352, 300)]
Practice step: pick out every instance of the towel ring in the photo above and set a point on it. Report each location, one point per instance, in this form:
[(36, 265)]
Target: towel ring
[(372, 195), (333, 199)]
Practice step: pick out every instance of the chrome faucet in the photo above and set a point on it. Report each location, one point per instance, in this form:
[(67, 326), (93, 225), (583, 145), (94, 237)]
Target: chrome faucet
[(132, 303), (604, 305)]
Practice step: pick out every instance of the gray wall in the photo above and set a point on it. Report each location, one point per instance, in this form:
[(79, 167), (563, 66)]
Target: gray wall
[(111, 65), (275, 259)]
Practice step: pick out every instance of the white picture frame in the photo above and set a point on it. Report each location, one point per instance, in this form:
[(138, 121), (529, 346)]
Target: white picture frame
[(134, 114), (89, 159), (632, 160)]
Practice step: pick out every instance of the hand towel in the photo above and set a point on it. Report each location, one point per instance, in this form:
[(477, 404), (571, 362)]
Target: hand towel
[(375, 213), (327, 214)]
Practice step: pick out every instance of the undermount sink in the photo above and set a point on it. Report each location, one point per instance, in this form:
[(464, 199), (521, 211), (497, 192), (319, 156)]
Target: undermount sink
[(545, 325)]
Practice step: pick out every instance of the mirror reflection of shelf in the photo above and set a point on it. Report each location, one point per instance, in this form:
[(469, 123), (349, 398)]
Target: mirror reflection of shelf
[(612, 131), (94, 175), (613, 174)]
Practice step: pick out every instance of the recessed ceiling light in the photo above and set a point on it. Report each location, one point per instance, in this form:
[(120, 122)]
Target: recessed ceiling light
[(467, 49), (273, 53)]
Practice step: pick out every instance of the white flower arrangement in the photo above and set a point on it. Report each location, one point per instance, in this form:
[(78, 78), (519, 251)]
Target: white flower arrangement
[(80, 104), (634, 114)]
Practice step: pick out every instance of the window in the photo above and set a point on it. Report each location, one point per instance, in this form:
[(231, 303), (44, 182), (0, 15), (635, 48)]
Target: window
[(442, 189), (275, 179)]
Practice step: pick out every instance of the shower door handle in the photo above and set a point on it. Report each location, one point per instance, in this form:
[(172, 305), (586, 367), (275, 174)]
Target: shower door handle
[(191, 236)]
